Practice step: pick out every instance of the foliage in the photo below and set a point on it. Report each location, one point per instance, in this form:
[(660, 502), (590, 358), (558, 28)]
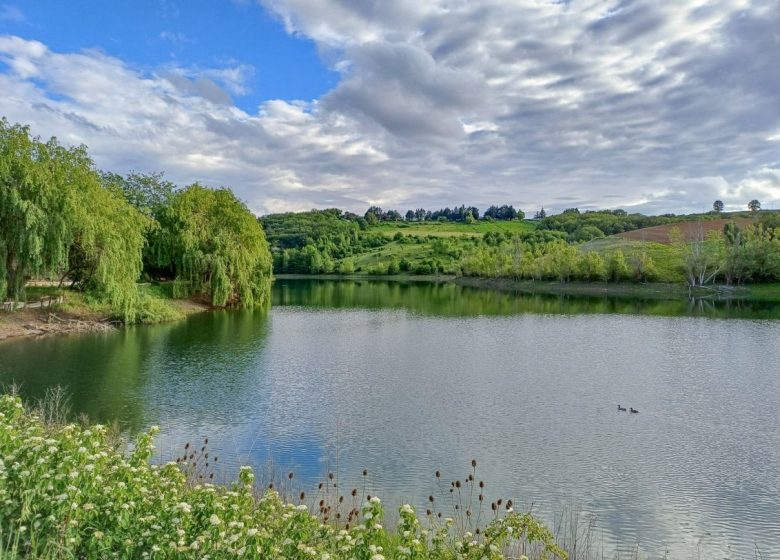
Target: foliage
[(217, 246), (66, 492), (583, 226), (750, 255), (703, 256), (58, 218)]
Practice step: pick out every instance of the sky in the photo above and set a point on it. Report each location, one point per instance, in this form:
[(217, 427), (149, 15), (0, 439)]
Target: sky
[(297, 104)]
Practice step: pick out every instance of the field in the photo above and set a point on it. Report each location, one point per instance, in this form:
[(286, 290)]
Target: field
[(444, 251), (666, 258), (452, 229), (690, 230)]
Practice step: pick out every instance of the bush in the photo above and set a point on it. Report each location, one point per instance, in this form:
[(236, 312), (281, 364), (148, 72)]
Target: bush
[(347, 266), (394, 266), (151, 309), (423, 268), (68, 493)]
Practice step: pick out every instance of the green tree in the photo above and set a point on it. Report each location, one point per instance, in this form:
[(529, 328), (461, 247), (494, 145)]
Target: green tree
[(643, 267), (347, 266), (718, 206), (592, 267), (219, 248), (58, 218), (754, 205), (394, 266), (617, 268), (703, 255)]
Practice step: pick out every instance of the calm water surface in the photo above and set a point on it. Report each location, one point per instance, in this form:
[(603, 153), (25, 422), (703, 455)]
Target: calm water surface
[(406, 379)]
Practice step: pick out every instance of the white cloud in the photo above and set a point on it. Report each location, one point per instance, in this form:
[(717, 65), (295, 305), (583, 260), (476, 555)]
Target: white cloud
[(661, 106)]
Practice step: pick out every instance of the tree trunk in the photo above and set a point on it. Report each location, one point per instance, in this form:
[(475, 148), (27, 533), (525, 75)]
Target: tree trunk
[(11, 276)]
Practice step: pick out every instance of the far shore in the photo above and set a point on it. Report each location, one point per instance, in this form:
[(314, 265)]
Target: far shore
[(649, 290)]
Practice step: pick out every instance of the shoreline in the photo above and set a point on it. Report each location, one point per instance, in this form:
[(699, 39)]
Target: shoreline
[(40, 322)]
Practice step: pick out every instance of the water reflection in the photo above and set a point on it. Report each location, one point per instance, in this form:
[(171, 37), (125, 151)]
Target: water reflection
[(450, 300)]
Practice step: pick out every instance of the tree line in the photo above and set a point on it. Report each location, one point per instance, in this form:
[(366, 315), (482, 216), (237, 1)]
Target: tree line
[(61, 218), (461, 213), (736, 255)]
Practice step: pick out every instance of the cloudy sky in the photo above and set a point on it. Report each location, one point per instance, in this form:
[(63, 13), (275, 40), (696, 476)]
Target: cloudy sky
[(299, 104)]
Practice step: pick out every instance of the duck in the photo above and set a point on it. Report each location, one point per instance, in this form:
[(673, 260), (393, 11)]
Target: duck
[(634, 411), (621, 408)]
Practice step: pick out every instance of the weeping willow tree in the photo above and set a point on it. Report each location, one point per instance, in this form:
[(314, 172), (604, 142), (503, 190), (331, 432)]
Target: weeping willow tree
[(35, 230), (58, 219), (218, 247)]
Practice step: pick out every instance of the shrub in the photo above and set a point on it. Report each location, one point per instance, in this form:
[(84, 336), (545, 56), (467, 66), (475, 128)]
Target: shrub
[(66, 492)]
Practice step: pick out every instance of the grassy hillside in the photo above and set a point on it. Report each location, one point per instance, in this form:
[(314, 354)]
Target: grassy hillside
[(588, 246), (690, 230), (453, 229), (666, 257)]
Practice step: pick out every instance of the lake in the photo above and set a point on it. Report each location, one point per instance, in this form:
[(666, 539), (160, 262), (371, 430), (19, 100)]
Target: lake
[(406, 379)]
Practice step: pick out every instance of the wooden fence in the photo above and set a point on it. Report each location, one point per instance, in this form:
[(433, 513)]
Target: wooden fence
[(38, 304)]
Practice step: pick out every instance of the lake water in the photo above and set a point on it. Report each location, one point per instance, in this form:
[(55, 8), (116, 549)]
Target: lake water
[(406, 379)]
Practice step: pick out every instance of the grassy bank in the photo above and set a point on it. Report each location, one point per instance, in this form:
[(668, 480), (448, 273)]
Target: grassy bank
[(81, 312), (68, 492)]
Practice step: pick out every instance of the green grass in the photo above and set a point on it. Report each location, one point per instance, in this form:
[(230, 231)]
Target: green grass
[(418, 244), (452, 229), (666, 258)]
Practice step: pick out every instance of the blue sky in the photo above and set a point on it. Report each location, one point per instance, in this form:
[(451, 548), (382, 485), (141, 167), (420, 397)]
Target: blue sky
[(297, 104), (198, 34)]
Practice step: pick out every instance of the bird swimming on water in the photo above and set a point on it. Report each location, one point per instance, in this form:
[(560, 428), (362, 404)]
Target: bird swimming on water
[(634, 411), (621, 408)]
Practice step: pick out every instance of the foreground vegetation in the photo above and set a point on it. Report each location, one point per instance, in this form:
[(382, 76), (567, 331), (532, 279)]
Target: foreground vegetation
[(67, 492), (63, 220)]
